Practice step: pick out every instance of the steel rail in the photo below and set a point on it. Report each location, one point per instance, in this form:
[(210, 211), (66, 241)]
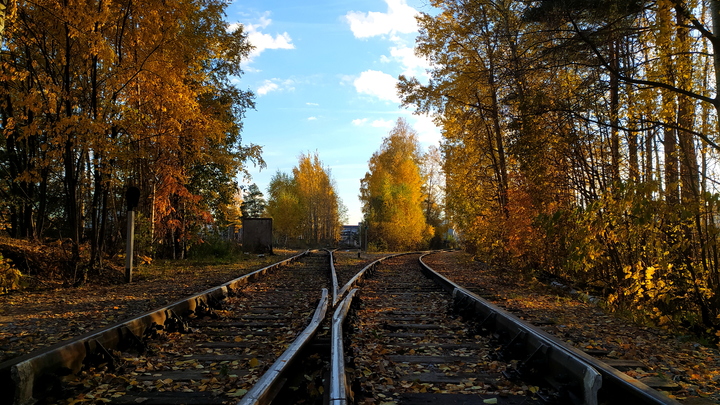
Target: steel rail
[(269, 384), (338, 391), (18, 376), (338, 384), (333, 276), (585, 380), (599, 379)]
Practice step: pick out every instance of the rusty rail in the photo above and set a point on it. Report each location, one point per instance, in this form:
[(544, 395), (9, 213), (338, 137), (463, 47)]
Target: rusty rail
[(333, 277)]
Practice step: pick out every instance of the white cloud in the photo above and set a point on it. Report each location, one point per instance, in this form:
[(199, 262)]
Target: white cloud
[(312, 118), (262, 41), (382, 124), (378, 84), (274, 84), (399, 18), (267, 87), (412, 64), (312, 104), (428, 132)]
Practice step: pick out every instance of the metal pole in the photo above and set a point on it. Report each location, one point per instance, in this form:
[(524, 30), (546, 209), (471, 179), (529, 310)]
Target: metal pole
[(366, 237), (129, 248)]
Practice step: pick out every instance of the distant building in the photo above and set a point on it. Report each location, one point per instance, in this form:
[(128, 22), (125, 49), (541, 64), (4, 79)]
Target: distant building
[(257, 235), (350, 236)]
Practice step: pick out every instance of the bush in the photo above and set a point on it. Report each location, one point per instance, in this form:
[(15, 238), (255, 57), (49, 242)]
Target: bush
[(9, 275), (214, 247)]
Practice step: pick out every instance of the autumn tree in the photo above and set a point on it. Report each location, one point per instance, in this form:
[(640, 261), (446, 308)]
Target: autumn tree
[(4, 5), (102, 95), (488, 91), (229, 215), (673, 36), (306, 206), (580, 138), (284, 207), (431, 170), (392, 194)]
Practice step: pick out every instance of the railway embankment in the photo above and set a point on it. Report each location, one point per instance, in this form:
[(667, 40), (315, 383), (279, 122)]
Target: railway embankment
[(44, 316), (676, 364)]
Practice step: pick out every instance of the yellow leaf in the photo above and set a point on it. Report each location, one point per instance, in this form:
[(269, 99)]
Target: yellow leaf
[(254, 362), (490, 401), (238, 393)]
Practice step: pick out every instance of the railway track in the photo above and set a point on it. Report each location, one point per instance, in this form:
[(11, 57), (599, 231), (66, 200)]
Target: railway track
[(409, 347), (348, 264), (228, 350), (615, 386), (209, 349), (411, 337)]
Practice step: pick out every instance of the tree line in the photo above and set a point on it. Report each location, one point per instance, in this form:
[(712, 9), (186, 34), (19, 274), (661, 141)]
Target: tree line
[(581, 139), (401, 194), (102, 95)]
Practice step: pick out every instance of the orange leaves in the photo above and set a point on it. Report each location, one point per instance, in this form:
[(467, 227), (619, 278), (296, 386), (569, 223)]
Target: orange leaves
[(126, 95)]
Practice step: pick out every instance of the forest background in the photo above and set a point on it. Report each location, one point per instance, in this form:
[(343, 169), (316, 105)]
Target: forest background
[(101, 96), (579, 138)]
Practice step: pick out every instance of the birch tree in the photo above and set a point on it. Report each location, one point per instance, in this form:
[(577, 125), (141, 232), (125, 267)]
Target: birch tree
[(392, 193)]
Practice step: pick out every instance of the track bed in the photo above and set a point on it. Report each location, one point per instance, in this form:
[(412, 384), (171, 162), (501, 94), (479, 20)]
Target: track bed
[(217, 355), (409, 348)]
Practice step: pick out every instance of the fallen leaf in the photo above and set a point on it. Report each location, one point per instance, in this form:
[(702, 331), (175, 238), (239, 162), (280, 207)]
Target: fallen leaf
[(238, 393)]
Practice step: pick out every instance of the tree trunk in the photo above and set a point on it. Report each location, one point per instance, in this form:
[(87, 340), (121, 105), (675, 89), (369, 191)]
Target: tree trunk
[(614, 115)]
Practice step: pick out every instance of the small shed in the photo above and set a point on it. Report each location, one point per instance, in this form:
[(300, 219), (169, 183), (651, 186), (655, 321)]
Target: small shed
[(257, 235)]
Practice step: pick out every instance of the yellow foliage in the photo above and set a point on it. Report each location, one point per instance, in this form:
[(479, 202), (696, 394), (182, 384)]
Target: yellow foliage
[(392, 193), (9, 275)]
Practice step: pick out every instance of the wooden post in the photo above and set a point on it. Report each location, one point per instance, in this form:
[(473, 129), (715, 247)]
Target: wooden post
[(130, 245), (133, 198)]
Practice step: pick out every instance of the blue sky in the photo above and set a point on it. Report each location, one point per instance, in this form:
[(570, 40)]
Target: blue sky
[(324, 75)]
